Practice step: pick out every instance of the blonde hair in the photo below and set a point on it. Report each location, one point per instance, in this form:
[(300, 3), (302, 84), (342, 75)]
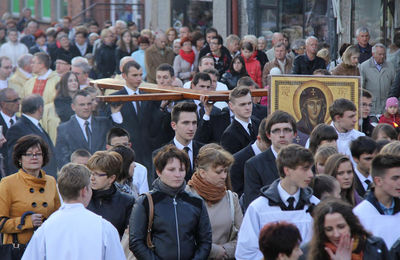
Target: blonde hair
[(105, 32), (213, 155), (71, 179), (106, 161), (350, 51), (391, 148), (322, 154), (324, 54)]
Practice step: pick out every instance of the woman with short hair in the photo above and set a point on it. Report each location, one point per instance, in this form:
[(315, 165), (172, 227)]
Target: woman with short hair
[(107, 201), (30, 196), (181, 226)]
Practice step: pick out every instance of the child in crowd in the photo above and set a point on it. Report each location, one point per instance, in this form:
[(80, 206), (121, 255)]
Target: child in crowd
[(391, 115), (320, 157), (253, 66)]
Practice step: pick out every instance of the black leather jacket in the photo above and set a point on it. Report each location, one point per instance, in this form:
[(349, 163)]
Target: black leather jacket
[(113, 206), (181, 226)]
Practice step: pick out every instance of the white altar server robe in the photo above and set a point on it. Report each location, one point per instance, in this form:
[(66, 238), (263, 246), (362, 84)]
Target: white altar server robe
[(384, 226), (73, 232)]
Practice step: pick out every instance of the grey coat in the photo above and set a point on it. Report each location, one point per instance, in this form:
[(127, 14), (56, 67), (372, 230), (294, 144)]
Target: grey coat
[(378, 82)]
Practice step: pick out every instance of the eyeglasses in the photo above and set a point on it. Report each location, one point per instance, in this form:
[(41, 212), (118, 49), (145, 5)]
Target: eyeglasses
[(13, 100), (285, 130), (96, 174), (32, 155)]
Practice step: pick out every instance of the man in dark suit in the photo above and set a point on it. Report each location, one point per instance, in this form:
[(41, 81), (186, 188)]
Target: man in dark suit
[(242, 130), (32, 112), (259, 111), (82, 131), (363, 150), (9, 105), (136, 117), (261, 170), (184, 123), (237, 170)]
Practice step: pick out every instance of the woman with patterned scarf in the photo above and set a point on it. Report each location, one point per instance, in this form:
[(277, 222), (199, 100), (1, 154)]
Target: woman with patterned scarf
[(212, 183), (338, 234)]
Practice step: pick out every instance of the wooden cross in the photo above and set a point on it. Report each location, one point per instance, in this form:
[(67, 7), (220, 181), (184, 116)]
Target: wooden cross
[(162, 93)]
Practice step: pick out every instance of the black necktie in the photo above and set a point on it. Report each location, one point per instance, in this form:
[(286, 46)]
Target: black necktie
[(251, 130), (187, 149), (368, 182), (201, 111), (11, 121), (88, 135), (137, 105), (291, 203), (40, 127)]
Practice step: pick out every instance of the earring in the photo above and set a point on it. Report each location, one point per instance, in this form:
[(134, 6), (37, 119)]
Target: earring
[(20, 164)]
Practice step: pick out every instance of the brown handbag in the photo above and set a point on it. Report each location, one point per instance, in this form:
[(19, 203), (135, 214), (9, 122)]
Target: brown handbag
[(150, 223)]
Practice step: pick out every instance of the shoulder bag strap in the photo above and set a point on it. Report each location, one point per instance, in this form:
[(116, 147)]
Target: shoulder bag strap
[(232, 206), (150, 222)]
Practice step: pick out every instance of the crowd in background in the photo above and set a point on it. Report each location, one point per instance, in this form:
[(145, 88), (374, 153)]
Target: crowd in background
[(224, 180)]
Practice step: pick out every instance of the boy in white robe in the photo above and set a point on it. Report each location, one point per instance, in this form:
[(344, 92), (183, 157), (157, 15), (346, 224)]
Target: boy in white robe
[(286, 199), (343, 113), (379, 213), (73, 232)]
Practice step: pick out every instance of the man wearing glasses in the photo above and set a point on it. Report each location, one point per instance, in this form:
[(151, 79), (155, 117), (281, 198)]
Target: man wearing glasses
[(9, 105), (261, 170), (365, 110)]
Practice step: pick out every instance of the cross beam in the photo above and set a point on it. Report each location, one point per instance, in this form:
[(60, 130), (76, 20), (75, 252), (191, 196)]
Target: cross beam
[(163, 93)]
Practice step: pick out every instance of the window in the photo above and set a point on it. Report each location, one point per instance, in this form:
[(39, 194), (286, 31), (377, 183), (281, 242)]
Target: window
[(46, 10), (30, 4), (377, 16), (15, 7), (296, 18), (197, 14)]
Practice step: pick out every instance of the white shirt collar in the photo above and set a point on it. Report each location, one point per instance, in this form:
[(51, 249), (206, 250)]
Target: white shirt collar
[(131, 91), (255, 148), (7, 118), (244, 124), (181, 146), (46, 75), (362, 178), (26, 74), (33, 120), (82, 121), (274, 152), (3, 83), (284, 195)]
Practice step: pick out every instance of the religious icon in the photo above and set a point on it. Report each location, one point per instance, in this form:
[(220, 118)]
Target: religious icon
[(308, 98)]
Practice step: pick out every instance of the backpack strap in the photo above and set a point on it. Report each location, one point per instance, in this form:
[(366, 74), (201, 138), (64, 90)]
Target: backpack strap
[(150, 222)]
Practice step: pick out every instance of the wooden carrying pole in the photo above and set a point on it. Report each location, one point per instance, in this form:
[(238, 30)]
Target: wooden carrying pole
[(163, 93)]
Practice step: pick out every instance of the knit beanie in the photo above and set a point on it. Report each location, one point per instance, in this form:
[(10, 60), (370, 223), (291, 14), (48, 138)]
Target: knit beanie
[(392, 101)]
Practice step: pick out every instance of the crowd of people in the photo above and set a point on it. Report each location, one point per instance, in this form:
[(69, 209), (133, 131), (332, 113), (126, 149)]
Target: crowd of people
[(193, 179)]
